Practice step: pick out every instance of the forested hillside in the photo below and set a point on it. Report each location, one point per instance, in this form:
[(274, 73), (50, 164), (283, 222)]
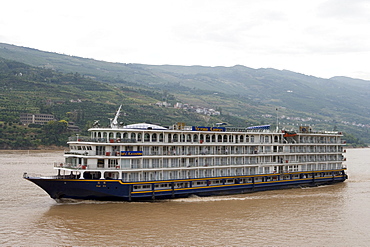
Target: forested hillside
[(74, 98), (82, 90)]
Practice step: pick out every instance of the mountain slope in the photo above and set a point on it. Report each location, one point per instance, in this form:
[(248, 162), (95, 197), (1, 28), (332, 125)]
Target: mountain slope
[(251, 94)]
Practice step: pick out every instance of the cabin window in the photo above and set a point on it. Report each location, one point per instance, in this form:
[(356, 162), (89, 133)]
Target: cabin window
[(133, 177), (154, 137), (253, 170), (112, 163), (219, 138), (156, 163), (161, 137), (175, 138), (208, 138), (100, 150), (174, 162), (207, 173), (252, 138), (201, 138), (136, 164), (155, 150), (116, 150), (192, 150), (195, 138), (126, 177), (165, 150), (145, 163), (247, 138), (188, 138), (100, 163), (146, 137), (225, 138), (125, 163), (165, 163)]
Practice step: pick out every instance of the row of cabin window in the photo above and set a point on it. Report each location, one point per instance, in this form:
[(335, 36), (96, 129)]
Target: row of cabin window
[(219, 150), (204, 150), (226, 181), (186, 174), (315, 149), (154, 137), (208, 162), (81, 148), (321, 139)]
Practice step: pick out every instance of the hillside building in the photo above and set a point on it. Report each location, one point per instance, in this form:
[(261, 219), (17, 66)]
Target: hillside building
[(28, 118)]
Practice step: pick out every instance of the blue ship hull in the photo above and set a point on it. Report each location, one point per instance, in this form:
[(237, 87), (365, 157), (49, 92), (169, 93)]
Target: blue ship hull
[(61, 187)]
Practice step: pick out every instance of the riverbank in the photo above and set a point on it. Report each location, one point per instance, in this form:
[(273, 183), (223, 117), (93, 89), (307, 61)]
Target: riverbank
[(39, 148)]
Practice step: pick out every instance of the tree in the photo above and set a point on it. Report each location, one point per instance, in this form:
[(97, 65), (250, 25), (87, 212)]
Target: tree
[(55, 133)]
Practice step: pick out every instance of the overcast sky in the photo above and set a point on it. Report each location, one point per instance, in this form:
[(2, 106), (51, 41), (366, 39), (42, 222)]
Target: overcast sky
[(322, 38)]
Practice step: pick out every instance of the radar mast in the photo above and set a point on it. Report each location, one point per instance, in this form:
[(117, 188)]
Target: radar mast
[(114, 123)]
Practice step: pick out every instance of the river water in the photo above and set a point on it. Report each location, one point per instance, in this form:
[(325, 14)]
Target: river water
[(335, 215)]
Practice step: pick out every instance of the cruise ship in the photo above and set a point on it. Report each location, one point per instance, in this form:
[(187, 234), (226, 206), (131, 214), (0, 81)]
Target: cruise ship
[(151, 162)]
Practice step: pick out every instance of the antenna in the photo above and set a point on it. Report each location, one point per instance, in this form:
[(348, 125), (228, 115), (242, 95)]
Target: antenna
[(114, 123), (277, 119)]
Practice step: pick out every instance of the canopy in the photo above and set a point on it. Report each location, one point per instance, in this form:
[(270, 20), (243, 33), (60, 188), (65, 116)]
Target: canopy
[(260, 127)]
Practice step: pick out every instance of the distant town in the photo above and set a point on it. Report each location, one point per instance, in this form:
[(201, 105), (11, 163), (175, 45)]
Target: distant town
[(310, 119), (188, 107)]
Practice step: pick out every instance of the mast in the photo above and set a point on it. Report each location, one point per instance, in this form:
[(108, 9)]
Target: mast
[(114, 123), (277, 120)]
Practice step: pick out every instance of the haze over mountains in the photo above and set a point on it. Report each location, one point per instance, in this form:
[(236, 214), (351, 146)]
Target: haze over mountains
[(253, 95)]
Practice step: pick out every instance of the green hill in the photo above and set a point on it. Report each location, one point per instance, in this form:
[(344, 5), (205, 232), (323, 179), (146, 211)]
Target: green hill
[(73, 98), (243, 95)]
